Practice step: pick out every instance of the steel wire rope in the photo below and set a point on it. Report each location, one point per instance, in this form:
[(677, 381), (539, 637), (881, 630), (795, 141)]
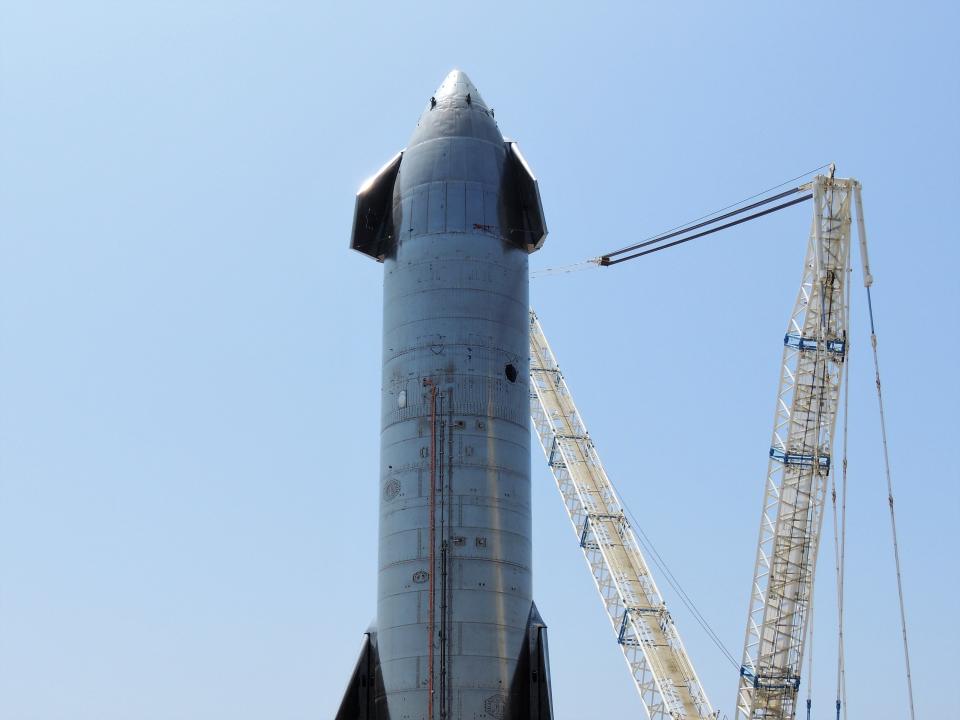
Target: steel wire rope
[(810, 663), (840, 535), (867, 283), (740, 202), (893, 517), (661, 564), (594, 262), (685, 229), (587, 456), (566, 269), (838, 572), (836, 560), (807, 551), (586, 452), (843, 555), (658, 559), (695, 236)]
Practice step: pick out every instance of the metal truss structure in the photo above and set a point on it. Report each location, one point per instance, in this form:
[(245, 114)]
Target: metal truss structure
[(800, 463), (643, 627)]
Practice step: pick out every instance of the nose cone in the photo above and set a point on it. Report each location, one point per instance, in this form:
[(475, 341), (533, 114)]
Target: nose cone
[(455, 110), (458, 89)]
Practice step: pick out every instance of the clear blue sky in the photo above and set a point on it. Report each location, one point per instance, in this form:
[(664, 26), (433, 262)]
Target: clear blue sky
[(189, 354)]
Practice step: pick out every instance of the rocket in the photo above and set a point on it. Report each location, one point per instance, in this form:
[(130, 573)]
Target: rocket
[(453, 218)]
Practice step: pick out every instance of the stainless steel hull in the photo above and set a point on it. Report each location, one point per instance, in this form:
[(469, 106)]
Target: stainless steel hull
[(453, 219)]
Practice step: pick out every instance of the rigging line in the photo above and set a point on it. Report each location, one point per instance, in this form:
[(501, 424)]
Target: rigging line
[(688, 602), (675, 584), (841, 700), (867, 282), (591, 263), (893, 518), (739, 202), (810, 660), (566, 269), (711, 221), (710, 231), (836, 560)]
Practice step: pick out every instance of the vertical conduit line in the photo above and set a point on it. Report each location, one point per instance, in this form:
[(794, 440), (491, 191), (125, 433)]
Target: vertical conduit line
[(428, 382), (447, 699), (867, 282), (446, 434)]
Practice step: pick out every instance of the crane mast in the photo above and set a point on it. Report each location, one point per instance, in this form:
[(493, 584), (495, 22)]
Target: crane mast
[(799, 467), (799, 464), (644, 629)]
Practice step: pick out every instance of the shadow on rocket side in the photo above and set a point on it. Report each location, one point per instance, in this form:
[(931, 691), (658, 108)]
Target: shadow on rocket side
[(365, 698)]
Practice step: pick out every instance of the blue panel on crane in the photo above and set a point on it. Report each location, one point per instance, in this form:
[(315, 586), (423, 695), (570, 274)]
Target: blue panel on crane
[(771, 682), (837, 347), (823, 461)]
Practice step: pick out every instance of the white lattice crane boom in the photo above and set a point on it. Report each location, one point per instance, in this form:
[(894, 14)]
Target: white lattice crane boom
[(800, 463), (799, 470), (643, 627)]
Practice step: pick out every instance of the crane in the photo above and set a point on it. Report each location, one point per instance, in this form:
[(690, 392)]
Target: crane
[(645, 631), (799, 469), (799, 463)]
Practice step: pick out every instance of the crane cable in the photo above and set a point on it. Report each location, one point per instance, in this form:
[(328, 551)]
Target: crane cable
[(661, 564), (687, 225), (697, 223), (810, 660), (594, 262), (840, 534), (867, 282), (605, 259), (838, 558), (839, 551)]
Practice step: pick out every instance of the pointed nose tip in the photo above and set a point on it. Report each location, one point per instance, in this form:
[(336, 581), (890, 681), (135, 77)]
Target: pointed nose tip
[(457, 85), (455, 77)]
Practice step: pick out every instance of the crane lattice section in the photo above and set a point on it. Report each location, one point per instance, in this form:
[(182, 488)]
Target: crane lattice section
[(799, 465), (643, 627)]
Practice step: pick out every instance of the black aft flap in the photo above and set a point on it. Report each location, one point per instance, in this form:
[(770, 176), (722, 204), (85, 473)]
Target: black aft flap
[(373, 213)]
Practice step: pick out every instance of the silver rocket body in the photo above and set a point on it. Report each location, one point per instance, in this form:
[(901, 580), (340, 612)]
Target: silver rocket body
[(453, 219)]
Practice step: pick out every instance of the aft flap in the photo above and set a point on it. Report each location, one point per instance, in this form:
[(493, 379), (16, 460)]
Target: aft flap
[(363, 698), (527, 227), (373, 212)]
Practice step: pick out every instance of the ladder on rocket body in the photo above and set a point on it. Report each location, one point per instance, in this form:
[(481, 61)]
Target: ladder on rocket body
[(644, 629)]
